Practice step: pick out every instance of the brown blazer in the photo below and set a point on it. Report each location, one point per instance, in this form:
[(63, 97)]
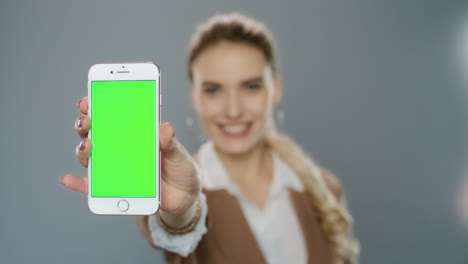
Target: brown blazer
[(229, 238)]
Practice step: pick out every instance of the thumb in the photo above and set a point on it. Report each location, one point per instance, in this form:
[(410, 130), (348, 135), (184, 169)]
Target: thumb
[(178, 168), (171, 149)]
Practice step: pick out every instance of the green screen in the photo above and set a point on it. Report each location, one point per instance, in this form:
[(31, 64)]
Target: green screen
[(123, 133)]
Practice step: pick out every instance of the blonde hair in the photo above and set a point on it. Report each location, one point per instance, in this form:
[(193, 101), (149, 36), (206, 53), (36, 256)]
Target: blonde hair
[(334, 217)]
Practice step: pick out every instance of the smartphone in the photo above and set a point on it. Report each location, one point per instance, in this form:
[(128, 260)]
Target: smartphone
[(124, 165)]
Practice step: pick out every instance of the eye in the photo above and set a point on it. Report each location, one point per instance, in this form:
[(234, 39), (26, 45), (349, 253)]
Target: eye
[(253, 86), (213, 89)]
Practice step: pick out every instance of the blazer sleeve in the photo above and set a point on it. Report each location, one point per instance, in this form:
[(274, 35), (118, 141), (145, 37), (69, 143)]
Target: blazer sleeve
[(183, 244)]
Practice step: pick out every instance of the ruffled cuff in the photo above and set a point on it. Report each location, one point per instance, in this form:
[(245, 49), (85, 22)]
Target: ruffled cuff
[(181, 244)]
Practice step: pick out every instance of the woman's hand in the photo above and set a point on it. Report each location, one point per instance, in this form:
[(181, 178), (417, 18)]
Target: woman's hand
[(180, 180)]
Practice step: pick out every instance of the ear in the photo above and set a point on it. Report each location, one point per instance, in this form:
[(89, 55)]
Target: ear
[(278, 89)]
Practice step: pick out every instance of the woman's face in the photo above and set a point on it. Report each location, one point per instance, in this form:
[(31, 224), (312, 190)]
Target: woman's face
[(233, 94)]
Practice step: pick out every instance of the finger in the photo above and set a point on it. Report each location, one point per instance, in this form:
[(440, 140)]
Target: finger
[(76, 183), (83, 105), (82, 125), (176, 160), (170, 147), (166, 135), (83, 151)]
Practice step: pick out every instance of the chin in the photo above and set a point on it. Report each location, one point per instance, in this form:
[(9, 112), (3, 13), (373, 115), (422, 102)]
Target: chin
[(234, 147)]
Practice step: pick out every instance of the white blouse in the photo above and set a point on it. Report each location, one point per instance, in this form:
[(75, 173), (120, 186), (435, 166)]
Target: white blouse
[(275, 227)]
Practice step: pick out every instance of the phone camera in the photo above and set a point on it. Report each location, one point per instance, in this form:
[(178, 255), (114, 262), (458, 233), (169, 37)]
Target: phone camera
[(123, 67), (112, 72)]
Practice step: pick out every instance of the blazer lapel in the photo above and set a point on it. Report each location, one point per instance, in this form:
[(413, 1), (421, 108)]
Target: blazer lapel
[(316, 246), (231, 231)]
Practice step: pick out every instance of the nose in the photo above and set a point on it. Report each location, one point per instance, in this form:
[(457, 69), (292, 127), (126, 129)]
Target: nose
[(233, 106)]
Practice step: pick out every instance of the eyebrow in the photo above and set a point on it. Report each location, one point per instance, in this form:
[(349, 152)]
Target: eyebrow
[(254, 79), (209, 83)]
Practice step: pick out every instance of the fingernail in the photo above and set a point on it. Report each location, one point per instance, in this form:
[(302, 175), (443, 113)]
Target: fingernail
[(82, 145), (60, 179), (78, 104), (79, 122)]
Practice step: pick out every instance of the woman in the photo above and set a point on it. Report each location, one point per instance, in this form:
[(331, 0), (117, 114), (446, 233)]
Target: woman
[(261, 199)]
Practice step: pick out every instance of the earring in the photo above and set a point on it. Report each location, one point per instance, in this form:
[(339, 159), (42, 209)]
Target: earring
[(189, 123), (280, 119)]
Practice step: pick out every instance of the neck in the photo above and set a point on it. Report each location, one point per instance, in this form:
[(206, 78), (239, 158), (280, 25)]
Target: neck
[(248, 167)]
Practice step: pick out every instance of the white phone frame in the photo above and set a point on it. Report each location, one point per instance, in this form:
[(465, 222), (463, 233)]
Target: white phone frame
[(125, 72)]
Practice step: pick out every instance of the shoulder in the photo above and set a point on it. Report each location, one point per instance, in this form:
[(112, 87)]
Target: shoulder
[(332, 182)]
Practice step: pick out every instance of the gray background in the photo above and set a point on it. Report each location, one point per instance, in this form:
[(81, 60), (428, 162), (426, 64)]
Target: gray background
[(370, 92)]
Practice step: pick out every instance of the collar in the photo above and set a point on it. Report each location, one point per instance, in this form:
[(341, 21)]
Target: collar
[(215, 176)]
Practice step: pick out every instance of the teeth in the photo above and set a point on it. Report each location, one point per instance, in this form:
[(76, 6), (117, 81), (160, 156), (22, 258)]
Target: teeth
[(235, 129)]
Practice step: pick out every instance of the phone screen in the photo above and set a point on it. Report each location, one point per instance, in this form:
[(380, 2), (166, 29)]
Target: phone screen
[(123, 133)]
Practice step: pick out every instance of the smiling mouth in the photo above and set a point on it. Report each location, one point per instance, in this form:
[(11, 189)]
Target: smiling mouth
[(236, 130)]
